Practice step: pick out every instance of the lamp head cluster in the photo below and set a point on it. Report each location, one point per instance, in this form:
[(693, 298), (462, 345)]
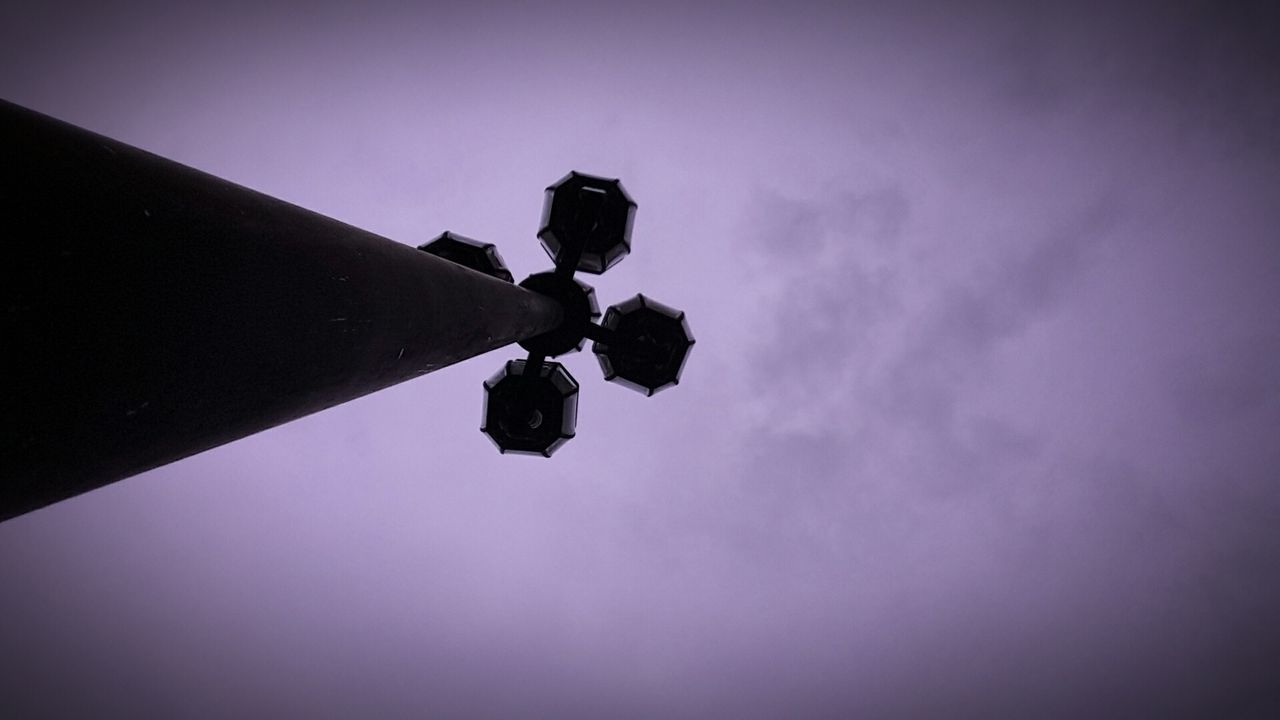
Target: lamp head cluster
[(531, 405)]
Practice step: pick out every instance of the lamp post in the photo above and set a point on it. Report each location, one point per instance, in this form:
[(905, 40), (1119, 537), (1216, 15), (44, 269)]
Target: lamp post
[(150, 311)]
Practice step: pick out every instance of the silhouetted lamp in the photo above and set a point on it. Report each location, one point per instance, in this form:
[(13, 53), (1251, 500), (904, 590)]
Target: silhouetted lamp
[(481, 257), (586, 223), (529, 413), (649, 345)]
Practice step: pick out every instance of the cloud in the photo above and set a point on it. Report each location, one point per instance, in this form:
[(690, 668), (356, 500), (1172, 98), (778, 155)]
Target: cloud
[(1204, 68), (866, 345), (1116, 565)]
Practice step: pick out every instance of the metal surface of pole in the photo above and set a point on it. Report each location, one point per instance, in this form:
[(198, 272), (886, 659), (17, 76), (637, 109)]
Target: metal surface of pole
[(151, 311)]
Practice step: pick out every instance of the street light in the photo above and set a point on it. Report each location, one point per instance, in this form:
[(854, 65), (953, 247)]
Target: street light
[(150, 311)]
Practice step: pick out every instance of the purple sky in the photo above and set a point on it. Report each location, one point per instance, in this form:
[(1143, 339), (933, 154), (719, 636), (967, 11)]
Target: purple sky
[(983, 419)]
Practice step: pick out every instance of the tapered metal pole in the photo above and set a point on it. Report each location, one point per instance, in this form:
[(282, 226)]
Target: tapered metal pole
[(149, 311)]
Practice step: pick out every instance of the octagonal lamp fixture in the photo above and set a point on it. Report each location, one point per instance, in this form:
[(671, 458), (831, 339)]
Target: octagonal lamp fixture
[(531, 413), (481, 257), (650, 343), (586, 222)]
